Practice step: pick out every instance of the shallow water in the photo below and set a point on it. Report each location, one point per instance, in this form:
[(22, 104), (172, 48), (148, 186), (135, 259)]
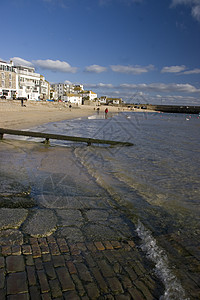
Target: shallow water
[(155, 182)]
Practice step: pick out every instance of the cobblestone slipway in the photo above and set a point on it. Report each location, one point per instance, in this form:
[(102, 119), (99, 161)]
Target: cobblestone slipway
[(52, 268), (78, 249), (72, 242)]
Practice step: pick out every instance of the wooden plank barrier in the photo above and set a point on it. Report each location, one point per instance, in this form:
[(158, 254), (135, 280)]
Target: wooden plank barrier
[(48, 136)]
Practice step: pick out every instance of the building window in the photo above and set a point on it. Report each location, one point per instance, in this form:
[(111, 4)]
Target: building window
[(2, 75), (10, 76), (10, 84), (3, 83)]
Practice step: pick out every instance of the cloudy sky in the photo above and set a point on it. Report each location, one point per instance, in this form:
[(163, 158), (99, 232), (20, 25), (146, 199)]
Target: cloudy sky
[(140, 50)]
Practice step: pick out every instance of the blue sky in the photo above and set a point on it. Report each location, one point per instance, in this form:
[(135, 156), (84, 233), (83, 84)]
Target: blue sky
[(140, 50)]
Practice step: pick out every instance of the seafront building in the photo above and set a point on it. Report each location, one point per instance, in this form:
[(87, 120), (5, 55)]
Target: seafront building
[(114, 101), (28, 83), (8, 80), (89, 95), (65, 88), (61, 89), (53, 93), (22, 81), (110, 101), (73, 93), (44, 88), (73, 98), (31, 85)]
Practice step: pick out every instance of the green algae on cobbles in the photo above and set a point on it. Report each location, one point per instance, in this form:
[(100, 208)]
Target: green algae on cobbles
[(13, 194)]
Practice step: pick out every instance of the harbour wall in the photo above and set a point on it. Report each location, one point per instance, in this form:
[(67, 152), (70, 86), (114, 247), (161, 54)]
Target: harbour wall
[(170, 108)]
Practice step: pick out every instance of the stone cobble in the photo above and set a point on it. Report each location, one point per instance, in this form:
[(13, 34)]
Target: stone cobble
[(53, 268)]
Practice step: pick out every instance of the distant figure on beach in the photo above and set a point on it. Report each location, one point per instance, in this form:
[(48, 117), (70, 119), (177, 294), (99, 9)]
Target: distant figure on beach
[(106, 113), (70, 107), (22, 102), (98, 109)]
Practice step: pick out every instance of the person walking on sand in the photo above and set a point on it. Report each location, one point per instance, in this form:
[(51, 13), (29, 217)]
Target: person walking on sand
[(106, 113)]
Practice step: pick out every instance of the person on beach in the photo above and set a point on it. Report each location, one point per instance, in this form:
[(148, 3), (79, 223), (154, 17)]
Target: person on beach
[(106, 113)]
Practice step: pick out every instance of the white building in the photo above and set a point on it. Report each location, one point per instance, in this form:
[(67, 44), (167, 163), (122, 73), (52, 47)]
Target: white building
[(44, 88), (114, 101), (63, 89), (53, 94), (89, 95), (103, 99), (8, 79), (73, 98), (28, 83)]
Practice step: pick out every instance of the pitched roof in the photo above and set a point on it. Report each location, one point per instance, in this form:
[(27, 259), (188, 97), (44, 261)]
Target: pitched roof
[(73, 95)]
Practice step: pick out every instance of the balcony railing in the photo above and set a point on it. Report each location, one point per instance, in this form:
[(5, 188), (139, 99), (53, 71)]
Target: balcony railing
[(27, 83), (29, 73)]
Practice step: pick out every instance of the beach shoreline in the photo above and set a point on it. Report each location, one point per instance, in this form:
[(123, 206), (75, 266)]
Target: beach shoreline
[(14, 116)]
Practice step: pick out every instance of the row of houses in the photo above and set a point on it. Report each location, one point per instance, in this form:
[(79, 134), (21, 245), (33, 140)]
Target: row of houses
[(23, 81), (73, 93)]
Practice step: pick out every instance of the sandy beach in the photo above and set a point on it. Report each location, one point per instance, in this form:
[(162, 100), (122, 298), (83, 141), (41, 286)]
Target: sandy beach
[(14, 116)]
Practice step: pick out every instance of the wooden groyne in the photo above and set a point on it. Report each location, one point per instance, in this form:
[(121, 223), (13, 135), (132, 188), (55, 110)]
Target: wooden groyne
[(48, 136)]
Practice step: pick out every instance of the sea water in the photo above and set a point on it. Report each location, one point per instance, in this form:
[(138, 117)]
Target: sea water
[(155, 183)]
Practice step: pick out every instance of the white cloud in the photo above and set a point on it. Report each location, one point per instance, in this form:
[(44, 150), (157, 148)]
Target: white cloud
[(100, 85), (55, 65), (157, 93), (194, 4), (196, 12), (67, 82), (105, 85), (95, 69), (148, 88), (162, 87), (21, 62), (132, 69), (179, 70), (194, 71), (173, 69)]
